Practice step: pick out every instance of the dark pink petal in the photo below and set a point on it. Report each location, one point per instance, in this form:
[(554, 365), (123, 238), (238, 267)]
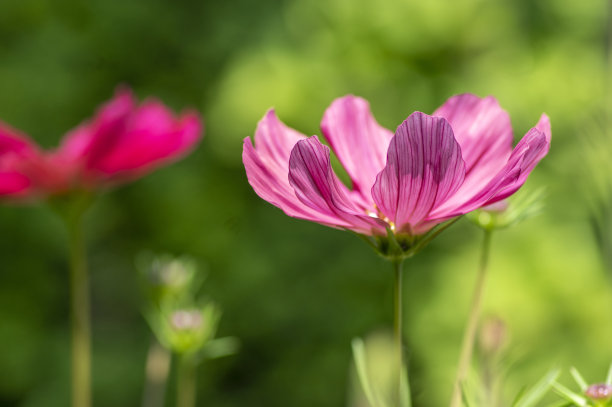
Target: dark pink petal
[(527, 153), (316, 185), (124, 141), (359, 142), (16, 152), (152, 137), (94, 139), (14, 184), (267, 168), (424, 167), (12, 141)]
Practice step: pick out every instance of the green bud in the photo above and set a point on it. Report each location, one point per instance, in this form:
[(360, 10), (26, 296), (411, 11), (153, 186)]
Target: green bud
[(187, 330), (508, 212)]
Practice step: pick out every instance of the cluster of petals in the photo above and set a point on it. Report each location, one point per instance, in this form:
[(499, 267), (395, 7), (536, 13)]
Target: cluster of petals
[(123, 141), (433, 168)]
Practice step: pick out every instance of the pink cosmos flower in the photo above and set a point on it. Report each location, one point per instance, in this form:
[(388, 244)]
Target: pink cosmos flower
[(123, 141), (432, 169)]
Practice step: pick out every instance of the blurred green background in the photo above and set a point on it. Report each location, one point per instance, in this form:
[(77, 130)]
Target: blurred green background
[(295, 292)]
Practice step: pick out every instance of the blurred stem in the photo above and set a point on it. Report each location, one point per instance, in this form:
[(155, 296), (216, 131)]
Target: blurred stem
[(186, 384), (469, 335), (397, 324), (79, 314), (158, 366)]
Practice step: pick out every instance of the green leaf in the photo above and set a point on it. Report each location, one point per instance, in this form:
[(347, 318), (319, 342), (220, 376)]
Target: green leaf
[(579, 379), (405, 399), (359, 355), (532, 396), (609, 376), (570, 395), (464, 396)]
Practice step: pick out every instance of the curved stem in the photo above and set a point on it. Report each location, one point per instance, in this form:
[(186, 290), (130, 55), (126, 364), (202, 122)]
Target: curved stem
[(79, 316), (186, 385), (469, 335), (397, 325)]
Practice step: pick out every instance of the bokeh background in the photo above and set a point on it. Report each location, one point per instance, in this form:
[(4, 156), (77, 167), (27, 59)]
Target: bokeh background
[(296, 293)]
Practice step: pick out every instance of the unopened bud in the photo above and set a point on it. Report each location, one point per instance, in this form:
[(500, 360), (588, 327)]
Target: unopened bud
[(186, 320), (493, 335), (172, 273), (600, 391)]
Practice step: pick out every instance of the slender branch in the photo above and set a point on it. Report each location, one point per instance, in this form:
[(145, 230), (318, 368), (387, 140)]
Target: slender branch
[(397, 325), (79, 315), (469, 335)]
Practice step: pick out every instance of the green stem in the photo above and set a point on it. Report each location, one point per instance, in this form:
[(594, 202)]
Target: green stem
[(469, 335), (158, 366), (186, 385), (79, 316), (397, 325)]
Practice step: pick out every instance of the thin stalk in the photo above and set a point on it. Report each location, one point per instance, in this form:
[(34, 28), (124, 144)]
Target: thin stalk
[(79, 316), (469, 336), (158, 366), (186, 382), (397, 324)]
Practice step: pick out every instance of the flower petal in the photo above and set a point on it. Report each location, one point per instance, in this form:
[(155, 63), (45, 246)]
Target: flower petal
[(267, 168), (152, 137), (481, 127), (14, 184), (359, 142), (527, 153), (93, 139), (16, 152), (424, 167), (316, 185), (124, 141)]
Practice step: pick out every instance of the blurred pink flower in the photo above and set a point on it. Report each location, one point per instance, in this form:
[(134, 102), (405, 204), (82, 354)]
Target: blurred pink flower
[(123, 141), (432, 169)]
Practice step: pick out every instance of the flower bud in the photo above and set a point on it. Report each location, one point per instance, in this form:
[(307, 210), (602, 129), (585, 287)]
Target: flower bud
[(507, 212), (599, 392), (186, 320), (493, 335)]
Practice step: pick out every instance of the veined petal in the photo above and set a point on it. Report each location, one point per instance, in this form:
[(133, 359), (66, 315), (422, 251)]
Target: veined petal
[(267, 168), (358, 141), (316, 185), (424, 167), (482, 129), (525, 156)]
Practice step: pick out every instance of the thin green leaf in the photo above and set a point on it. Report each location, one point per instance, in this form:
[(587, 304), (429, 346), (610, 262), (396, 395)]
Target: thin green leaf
[(537, 392), (221, 347), (609, 376), (579, 379), (519, 396), (361, 365), (562, 403), (405, 398), (569, 395), (464, 396)]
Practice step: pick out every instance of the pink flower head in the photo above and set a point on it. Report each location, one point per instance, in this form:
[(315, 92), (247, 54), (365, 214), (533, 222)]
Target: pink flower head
[(123, 141), (434, 168)]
